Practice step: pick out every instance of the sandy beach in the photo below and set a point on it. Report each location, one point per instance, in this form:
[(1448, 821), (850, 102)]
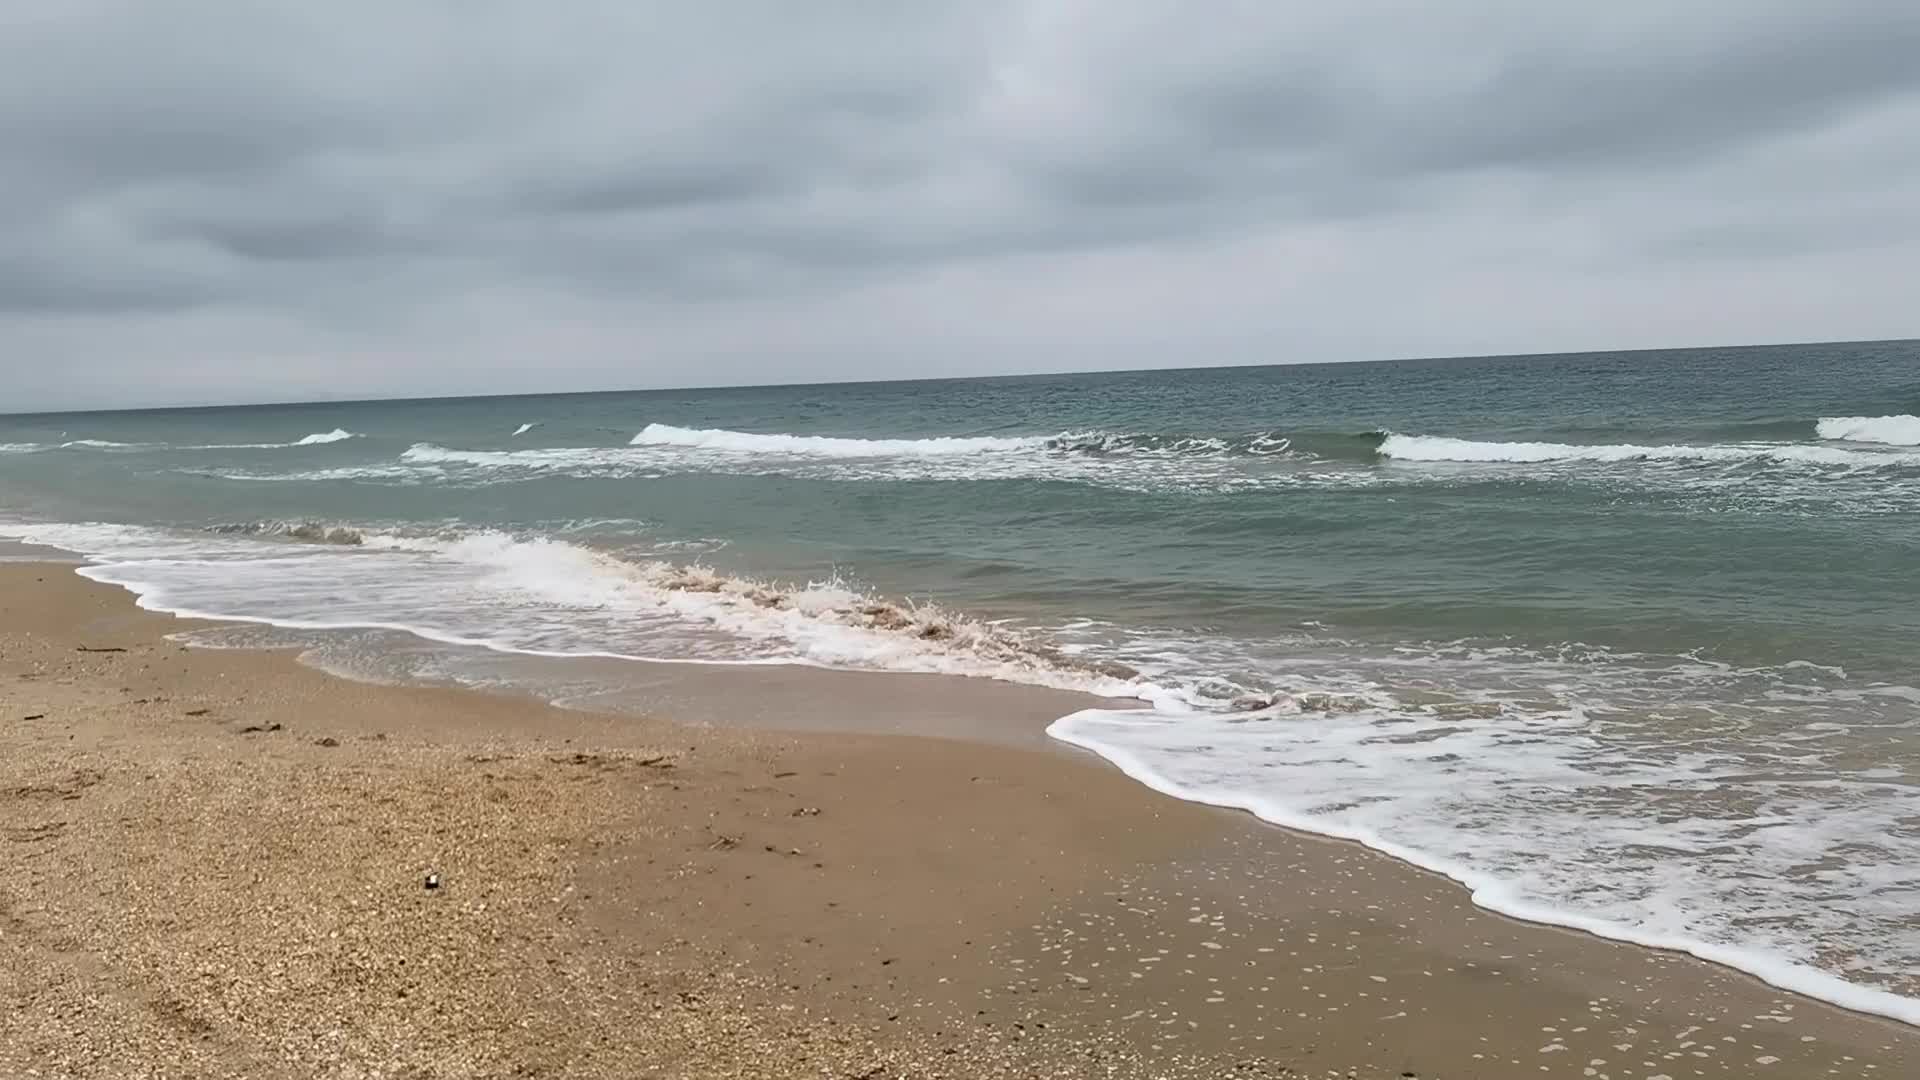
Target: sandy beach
[(215, 863)]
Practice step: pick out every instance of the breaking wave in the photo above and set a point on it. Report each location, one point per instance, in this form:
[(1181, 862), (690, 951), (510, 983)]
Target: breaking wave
[(1901, 430), (1121, 468), (429, 454), (318, 437), (1110, 444), (526, 427), (1441, 448), (745, 442), (1088, 443), (540, 596), (831, 623), (312, 532), (1329, 744)]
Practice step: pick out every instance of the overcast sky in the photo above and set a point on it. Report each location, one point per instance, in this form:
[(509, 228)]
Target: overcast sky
[(218, 201)]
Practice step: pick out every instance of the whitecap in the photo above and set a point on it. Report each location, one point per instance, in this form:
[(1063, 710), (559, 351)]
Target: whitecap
[(1441, 448), (746, 442), (319, 437), (1900, 430)]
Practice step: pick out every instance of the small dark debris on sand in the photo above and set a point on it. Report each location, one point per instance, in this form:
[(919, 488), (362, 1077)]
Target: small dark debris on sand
[(198, 712), (35, 716), (251, 729), (98, 648), (609, 761)]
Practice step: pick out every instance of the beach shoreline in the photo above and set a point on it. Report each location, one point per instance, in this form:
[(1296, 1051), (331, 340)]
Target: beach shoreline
[(222, 857)]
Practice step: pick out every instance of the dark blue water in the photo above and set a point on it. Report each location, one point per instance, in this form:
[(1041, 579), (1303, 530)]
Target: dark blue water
[(1461, 609)]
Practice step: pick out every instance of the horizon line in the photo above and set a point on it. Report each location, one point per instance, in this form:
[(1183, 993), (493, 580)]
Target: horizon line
[(401, 398)]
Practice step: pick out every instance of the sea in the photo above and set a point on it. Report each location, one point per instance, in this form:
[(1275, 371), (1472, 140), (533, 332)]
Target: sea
[(1625, 642)]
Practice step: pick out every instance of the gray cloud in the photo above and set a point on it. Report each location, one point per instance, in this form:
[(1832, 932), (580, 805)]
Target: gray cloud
[(667, 193)]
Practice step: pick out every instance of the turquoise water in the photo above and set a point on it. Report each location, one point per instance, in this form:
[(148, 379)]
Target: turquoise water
[(1624, 641)]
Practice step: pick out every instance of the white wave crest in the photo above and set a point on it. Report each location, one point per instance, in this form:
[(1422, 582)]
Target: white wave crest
[(312, 532), (1900, 430), (746, 442), (526, 427), (541, 596), (428, 453), (830, 623), (318, 437), (1048, 459), (1441, 448)]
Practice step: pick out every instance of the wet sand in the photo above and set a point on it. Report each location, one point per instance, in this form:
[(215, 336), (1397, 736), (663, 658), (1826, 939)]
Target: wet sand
[(214, 864)]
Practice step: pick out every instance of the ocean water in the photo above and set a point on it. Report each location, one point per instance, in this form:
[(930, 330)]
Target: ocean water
[(1625, 642)]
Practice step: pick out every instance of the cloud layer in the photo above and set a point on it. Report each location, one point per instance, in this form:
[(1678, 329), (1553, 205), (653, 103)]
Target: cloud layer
[(226, 202)]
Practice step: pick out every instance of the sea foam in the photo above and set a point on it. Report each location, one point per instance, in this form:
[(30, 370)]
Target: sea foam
[(1901, 430), (1418, 789), (319, 437), (1475, 787), (1442, 448), (745, 442), (1101, 444), (547, 597)]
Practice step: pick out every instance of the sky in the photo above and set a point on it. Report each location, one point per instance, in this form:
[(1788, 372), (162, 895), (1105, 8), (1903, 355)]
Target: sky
[(210, 202)]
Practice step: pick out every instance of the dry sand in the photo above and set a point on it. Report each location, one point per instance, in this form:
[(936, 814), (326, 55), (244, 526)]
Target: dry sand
[(213, 864)]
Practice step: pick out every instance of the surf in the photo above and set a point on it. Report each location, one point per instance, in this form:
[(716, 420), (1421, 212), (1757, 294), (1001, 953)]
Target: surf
[(745, 442), (1901, 430), (1437, 448)]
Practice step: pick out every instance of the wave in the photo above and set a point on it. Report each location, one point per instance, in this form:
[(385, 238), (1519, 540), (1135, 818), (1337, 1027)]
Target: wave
[(1087, 443), (1900, 430), (312, 532), (399, 475), (1193, 757), (526, 427), (540, 596), (1111, 444), (429, 454), (831, 623), (1259, 462), (1441, 448), (1122, 462), (746, 442), (1475, 787), (21, 448), (319, 437)]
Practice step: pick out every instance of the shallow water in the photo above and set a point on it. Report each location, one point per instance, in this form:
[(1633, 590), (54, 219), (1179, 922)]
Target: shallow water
[(1624, 641)]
